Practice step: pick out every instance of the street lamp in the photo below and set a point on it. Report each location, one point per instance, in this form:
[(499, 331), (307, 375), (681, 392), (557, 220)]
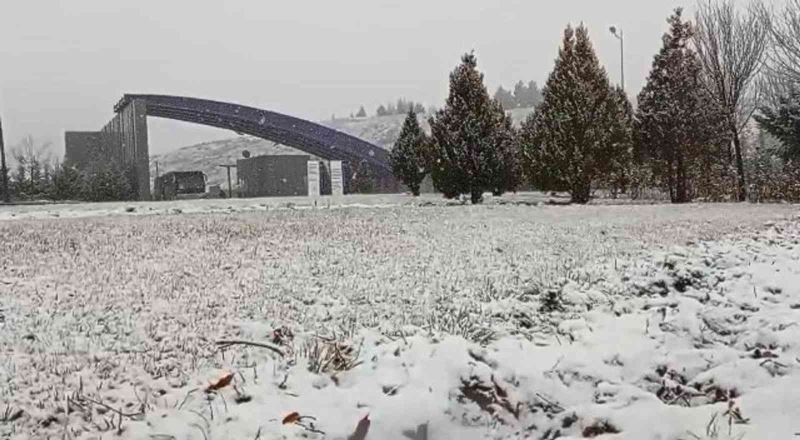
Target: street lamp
[(621, 37)]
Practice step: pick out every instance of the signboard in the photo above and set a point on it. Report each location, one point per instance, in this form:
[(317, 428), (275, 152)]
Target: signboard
[(337, 181), (313, 178)]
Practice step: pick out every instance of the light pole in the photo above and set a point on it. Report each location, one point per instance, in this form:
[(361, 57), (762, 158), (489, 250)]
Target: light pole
[(621, 37)]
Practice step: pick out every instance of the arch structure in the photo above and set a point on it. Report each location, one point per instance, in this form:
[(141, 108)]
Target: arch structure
[(124, 139)]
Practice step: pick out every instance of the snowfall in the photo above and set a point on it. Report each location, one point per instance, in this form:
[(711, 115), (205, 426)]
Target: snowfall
[(394, 318)]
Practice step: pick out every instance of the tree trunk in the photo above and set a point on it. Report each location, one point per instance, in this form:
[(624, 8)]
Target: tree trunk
[(476, 196), (671, 182), (741, 184), (581, 193), (682, 189)]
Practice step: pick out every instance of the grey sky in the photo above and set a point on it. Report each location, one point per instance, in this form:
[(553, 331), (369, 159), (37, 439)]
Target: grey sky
[(64, 64)]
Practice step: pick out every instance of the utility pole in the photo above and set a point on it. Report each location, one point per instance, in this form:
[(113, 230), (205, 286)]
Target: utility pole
[(228, 167), (3, 167), (617, 32)]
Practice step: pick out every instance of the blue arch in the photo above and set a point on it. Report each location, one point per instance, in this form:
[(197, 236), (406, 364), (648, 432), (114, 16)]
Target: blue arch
[(301, 134)]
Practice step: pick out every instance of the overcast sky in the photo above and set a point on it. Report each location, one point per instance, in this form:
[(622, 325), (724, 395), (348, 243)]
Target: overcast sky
[(64, 64)]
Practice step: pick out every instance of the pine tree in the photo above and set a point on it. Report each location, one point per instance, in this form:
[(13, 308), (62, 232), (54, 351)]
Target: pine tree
[(505, 98), (470, 140), (570, 141), (381, 111), (782, 121), (507, 173), (109, 183), (618, 173), (362, 112), (402, 106), (534, 95), (520, 93), (678, 126), (408, 157), (67, 183)]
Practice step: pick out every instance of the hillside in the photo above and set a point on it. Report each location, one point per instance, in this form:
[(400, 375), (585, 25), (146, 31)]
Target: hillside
[(206, 157)]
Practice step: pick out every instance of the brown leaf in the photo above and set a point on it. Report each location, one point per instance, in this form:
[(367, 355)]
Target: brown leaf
[(291, 418), (361, 429), (221, 383)]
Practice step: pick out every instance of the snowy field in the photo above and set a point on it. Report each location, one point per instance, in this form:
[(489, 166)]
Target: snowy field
[(427, 319)]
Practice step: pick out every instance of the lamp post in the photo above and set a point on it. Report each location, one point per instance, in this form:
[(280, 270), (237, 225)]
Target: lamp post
[(617, 32)]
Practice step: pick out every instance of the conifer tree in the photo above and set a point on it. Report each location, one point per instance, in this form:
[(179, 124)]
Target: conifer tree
[(570, 142), (362, 112), (408, 157), (782, 120), (470, 140), (619, 172), (505, 98), (520, 94), (67, 183), (678, 126), (507, 172)]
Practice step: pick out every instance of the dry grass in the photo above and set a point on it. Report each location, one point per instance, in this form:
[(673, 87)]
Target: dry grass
[(119, 297)]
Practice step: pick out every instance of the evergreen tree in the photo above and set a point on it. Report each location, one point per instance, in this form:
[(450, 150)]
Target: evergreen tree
[(782, 121), (362, 113), (419, 108), (520, 93), (505, 98), (402, 106), (619, 171), (570, 142), (363, 179), (408, 157), (533, 97), (109, 183), (678, 126), (19, 183), (381, 111), (470, 140), (506, 174), (67, 183)]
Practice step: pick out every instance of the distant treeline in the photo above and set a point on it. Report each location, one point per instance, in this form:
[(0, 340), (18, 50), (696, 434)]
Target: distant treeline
[(523, 96)]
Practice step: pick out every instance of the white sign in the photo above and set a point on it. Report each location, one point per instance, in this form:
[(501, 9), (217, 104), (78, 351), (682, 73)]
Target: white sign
[(337, 182), (313, 178)]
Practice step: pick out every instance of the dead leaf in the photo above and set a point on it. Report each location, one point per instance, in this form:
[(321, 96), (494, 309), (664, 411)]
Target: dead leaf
[(221, 383), (361, 429), (291, 418)]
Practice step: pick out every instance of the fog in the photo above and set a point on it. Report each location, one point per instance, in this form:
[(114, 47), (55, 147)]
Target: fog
[(63, 65)]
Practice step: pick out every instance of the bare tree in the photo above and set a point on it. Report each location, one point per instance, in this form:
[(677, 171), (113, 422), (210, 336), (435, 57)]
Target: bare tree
[(785, 54), (33, 163), (732, 46)]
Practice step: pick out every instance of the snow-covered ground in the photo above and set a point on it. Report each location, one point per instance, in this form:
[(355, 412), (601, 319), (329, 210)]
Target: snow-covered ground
[(230, 206), (429, 320)]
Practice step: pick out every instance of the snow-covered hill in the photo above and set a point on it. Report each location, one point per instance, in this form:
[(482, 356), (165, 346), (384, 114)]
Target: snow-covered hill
[(206, 157)]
